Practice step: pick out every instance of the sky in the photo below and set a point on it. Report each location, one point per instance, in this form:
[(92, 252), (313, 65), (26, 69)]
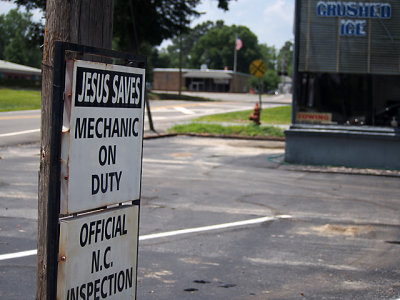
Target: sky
[(270, 20), (6, 6)]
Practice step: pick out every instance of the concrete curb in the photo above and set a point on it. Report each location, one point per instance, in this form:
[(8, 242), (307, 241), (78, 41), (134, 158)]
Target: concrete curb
[(240, 137), (278, 160), (156, 135), (282, 165)]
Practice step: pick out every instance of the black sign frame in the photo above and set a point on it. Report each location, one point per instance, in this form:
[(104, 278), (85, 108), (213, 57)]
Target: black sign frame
[(62, 51)]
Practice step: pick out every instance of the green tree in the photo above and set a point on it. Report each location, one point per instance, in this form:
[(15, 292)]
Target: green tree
[(18, 40), (277, 63), (285, 59), (216, 48), (30, 4), (169, 57), (269, 56), (143, 21), (269, 81), (151, 22)]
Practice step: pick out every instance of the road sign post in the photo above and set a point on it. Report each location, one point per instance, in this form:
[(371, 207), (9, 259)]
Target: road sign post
[(96, 173), (257, 68)]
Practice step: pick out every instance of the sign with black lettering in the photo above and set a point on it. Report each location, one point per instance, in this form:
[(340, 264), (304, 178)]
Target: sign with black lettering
[(102, 136), (98, 255)]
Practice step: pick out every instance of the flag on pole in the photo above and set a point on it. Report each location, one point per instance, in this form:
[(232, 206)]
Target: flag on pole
[(238, 46), (239, 43)]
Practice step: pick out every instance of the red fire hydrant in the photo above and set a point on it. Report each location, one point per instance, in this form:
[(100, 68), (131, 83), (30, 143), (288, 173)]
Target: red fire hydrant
[(255, 116)]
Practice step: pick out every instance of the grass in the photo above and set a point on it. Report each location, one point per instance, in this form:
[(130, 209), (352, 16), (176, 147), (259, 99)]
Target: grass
[(13, 99), (276, 116), (217, 129), (19, 99)]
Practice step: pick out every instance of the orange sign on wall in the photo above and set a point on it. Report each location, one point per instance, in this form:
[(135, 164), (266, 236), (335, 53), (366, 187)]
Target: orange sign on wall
[(311, 117)]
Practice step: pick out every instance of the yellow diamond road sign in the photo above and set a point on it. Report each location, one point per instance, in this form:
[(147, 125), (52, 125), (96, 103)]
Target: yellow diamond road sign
[(257, 68)]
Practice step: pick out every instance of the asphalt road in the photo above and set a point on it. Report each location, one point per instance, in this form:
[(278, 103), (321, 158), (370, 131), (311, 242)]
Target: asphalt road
[(167, 113), (231, 220), (284, 233), (22, 127), (329, 236), (19, 127)]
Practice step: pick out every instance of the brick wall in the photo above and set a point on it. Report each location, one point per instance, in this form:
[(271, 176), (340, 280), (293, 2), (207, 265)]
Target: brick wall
[(166, 81)]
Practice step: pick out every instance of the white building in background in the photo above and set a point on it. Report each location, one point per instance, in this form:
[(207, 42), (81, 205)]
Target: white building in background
[(285, 87), (16, 71)]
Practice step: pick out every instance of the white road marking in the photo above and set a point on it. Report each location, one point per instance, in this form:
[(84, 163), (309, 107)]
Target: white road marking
[(276, 261), (206, 228), (17, 254), (168, 233), (19, 132), (184, 110)]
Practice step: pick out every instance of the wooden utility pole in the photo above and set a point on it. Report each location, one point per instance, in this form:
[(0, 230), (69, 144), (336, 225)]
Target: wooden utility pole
[(83, 22)]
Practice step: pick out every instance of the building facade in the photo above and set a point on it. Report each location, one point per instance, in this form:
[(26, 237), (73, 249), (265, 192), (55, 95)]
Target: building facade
[(166, 79), (346, 96), (9, 70), (16, 75)]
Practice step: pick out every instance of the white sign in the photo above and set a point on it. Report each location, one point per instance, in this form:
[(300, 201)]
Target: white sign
[(102, 138), (98, 256)]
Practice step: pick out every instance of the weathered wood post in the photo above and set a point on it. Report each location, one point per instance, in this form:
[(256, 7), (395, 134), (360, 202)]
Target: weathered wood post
[(83, 22)]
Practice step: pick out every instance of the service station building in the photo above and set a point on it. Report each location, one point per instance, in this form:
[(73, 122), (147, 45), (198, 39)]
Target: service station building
[(346, 96), (200, 80)]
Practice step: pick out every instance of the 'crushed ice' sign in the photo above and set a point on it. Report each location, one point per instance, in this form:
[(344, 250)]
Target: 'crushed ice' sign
[(354, 14)]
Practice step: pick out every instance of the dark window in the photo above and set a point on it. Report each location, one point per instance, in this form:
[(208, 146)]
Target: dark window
[(348, 99)]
